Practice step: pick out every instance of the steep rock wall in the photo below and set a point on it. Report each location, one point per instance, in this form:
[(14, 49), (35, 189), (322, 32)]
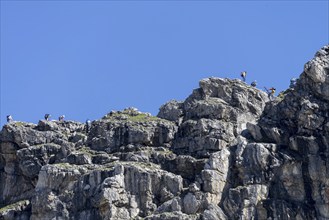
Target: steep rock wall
[(226, 152)]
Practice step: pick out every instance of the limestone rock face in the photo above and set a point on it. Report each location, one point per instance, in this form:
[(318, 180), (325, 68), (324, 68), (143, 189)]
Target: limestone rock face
[(297, 124), (130, 128), (172, 111), (216, 114), (226, 152)]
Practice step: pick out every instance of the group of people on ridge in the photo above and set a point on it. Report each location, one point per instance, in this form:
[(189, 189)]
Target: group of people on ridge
[(271, 91), (60, 118), (244, 76), (46, 117)]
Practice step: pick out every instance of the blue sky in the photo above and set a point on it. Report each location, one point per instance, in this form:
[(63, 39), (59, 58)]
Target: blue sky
[(85, 58)]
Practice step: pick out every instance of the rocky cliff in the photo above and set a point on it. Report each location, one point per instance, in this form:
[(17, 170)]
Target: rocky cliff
[(226, 152)]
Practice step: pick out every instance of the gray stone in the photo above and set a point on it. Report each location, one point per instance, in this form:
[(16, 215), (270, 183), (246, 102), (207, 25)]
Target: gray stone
[(213, 212), (226, 152), (172, 111), (191, 204)]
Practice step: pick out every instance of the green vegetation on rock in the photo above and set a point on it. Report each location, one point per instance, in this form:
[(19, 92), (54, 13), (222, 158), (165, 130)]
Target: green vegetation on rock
[(14, 205), (131, 115)]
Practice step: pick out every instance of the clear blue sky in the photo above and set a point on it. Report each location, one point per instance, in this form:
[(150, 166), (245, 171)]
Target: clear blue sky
[(85, 58)]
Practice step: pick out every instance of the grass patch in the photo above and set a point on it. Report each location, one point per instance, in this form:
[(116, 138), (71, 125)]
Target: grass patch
[(146, 166), (14, 205), (86, 150), (129, 115), (64, 165), (19, 124), (142, 118), (283, 94)]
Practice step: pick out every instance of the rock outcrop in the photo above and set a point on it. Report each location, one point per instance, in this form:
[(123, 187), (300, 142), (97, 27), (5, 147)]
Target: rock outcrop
[(226, 152)]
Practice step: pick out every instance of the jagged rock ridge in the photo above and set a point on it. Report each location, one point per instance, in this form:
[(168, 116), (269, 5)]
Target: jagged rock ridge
[(226, 152)]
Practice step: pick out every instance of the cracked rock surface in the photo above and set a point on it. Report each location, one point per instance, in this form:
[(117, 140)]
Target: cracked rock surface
[(226, 152)]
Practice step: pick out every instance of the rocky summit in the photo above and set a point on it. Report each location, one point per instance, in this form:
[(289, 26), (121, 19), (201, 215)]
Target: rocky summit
[(226, 152)]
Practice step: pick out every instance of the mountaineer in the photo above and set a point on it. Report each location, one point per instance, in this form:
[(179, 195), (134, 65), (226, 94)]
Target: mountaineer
[(9, 118), (243, 75), (88, 125), (61, 118), (293, 82), (254, 83), (270, 92), (47, 117)]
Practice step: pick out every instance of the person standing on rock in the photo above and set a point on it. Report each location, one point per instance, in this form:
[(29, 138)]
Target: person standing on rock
[(270, 92), (243, 75), (47, 117), (9, 118), (88, 125), (61, 118), (292, 83)]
